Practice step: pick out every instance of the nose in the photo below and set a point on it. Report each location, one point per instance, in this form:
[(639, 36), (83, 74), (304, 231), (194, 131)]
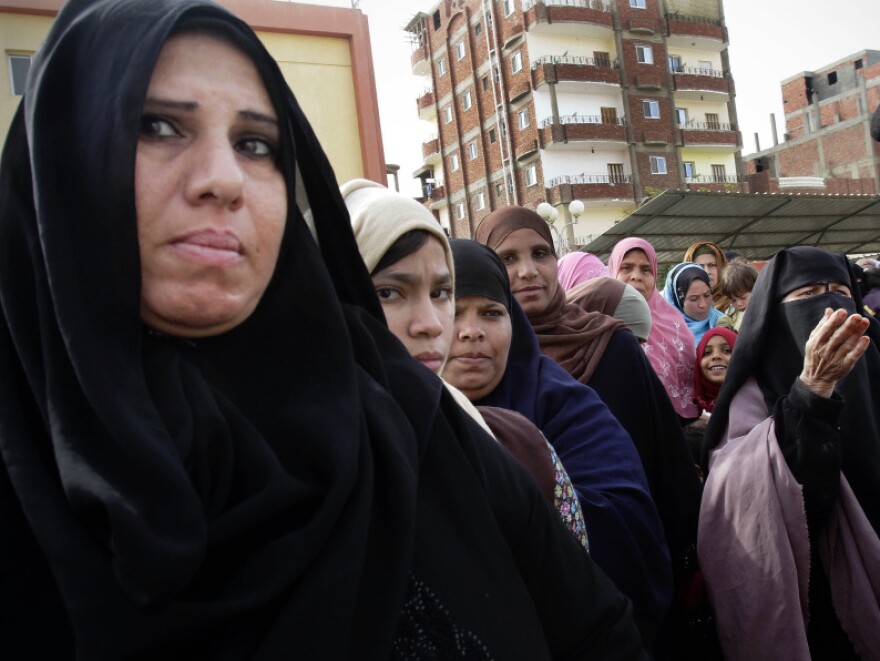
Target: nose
[(526, 269), (425, 320), (215, 174), (469, 330)]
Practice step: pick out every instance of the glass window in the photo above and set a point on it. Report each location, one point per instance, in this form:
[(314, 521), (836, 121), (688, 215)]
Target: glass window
[(516, 62), (459, 210), (532, 175), (508, 7), (472, 150), (453, 162), (681, 116), (19, 67), (480, 201), (719, 173), (651, 109), (441, 66), (658, 165), (637, 4), (690, 170), (447, 114), (644, 54), (460, 49), (492, 136), (467, 100), (675, 63), (522, 118), (478, 29)]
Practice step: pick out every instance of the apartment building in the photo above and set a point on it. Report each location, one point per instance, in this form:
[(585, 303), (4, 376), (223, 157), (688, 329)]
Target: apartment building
[(826, 147), (596, 101)]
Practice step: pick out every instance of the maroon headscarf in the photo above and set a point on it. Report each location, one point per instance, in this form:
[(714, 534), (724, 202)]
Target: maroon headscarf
[(706, 392), (571, 336)]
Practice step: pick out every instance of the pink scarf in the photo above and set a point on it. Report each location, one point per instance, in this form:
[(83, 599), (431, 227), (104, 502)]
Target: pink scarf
[(576, 268), (670, 345), (754, 548)]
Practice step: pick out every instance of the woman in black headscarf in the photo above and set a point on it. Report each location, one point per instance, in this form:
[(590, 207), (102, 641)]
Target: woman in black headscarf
[(211, 445), (791, 508)]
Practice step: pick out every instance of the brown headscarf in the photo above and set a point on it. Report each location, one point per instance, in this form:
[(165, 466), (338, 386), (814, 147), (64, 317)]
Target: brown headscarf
[(700, 248), (571, 336)]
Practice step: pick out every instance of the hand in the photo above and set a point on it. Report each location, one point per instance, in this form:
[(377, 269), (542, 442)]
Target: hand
[(833, 348)]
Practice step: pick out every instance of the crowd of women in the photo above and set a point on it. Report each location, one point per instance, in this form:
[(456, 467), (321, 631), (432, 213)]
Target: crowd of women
[(234, 424)]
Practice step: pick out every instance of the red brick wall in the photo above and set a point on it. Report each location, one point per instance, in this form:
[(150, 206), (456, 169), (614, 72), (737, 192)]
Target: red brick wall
[(800, 160), (845, 146)]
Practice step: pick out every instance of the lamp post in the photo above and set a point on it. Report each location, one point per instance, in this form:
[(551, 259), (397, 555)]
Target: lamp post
[(565, 238)]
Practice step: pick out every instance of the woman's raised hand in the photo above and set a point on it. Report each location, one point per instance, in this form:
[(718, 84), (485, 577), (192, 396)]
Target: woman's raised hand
[(833, 348)]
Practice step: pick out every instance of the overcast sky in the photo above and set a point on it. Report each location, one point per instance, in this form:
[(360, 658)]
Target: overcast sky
[(770, 40)]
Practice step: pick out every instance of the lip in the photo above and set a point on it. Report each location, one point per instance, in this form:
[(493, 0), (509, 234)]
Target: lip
[(430, 359), (532, 289), (472, 359), (210, 247)]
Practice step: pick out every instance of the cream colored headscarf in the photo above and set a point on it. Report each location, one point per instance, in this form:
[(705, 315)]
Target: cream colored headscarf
[(380, 216)]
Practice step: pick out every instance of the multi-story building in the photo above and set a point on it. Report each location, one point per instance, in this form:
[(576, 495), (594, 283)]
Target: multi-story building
[(827, 146), (560, 100)]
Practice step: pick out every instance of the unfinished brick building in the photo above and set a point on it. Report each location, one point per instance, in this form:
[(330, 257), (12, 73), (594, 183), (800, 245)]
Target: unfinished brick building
[(560, 100)]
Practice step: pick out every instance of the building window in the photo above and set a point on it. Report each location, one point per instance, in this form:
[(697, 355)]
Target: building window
[(503, 125), (437, 20), (485, 82), (531, 175), (615, 173), (499, 190), (644, 54), (681, 116), (447, 114), (467, 100), (674, 63), (522, 118), (658, 165), (453, 163), (690, 170), (480, 201), (508, 7), (478, 29), (651, 109), (441, 66), (516, 62), (832, 78), (637, 4), (472, 150), (459, 210), (719, 174), (712, 121), (492, 136), (460, 49), (19, 67)]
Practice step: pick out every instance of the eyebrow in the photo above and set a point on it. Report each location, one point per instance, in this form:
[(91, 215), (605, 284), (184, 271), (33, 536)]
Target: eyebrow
[(191, 106), (410, 279)]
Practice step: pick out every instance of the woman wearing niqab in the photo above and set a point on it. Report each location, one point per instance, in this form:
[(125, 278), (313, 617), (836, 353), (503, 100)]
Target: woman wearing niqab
[(279, 489), (791, 508)]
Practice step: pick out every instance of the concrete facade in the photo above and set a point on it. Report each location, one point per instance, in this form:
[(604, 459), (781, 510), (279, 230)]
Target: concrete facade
[(826, 146), (605, 102)]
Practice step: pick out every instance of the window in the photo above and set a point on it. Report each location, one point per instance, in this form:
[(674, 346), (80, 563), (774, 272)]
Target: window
[(503, 125), (712, 122), (637, 4), (499, 190), (472, 150), (480, 201), (681, 116), (615, 173), (485, 83), (467, 100), (447, 114), (522, 118), (658, 165), (532, 175), (516, 62), (651, 109), (437, 20), (496, 75), (460, 49), (453, 162), (719, 174), (19, 66), (441, 66), (644, 54), (704, 67), (690, 170), (508, 7), (832, 78), (674, 63), (478, 29), (609, 115), (459, 210)]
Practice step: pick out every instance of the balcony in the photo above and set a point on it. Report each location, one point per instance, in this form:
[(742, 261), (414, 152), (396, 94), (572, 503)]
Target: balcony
[(421, 63), (431, 151), (709, 135), (574, 73), (717, 183), (437, 198), (569, 131), (701, 84), (695, 32), (427, 109), (586, 187), (584, 18)]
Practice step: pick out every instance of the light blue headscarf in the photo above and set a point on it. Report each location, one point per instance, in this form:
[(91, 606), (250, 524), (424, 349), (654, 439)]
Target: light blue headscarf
[(678, 281)]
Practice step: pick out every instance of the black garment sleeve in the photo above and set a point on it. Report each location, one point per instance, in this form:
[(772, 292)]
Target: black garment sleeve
[(808, 434)]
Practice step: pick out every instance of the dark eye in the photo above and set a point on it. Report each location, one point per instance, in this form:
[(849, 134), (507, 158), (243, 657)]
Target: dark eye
[(156, 127), (387, 293), (843, 292), (492, 313), (443, 293), (258, 147), (507, 259)]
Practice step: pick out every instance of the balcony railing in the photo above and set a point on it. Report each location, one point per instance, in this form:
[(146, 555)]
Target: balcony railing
[(693, 19), (580, 119), (707, 126), (575, 179), (600, 62), (713, 179), (698, 71), (598, 5)]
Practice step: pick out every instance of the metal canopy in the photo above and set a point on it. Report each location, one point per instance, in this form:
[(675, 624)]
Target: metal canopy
[(756, 225)]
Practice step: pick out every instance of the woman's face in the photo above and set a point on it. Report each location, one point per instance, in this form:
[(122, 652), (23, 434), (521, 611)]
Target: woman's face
[(710, 264), (480, 346), (816, 289), (698, 300), (532, 269), (211, 202), (715, 359), (416, 297), (635, 270)]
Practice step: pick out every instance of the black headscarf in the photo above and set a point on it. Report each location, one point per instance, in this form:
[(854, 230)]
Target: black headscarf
[(770, 347), (276, 490)]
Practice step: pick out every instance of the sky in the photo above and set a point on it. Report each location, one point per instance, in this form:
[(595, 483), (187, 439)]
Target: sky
[(770, 41)]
